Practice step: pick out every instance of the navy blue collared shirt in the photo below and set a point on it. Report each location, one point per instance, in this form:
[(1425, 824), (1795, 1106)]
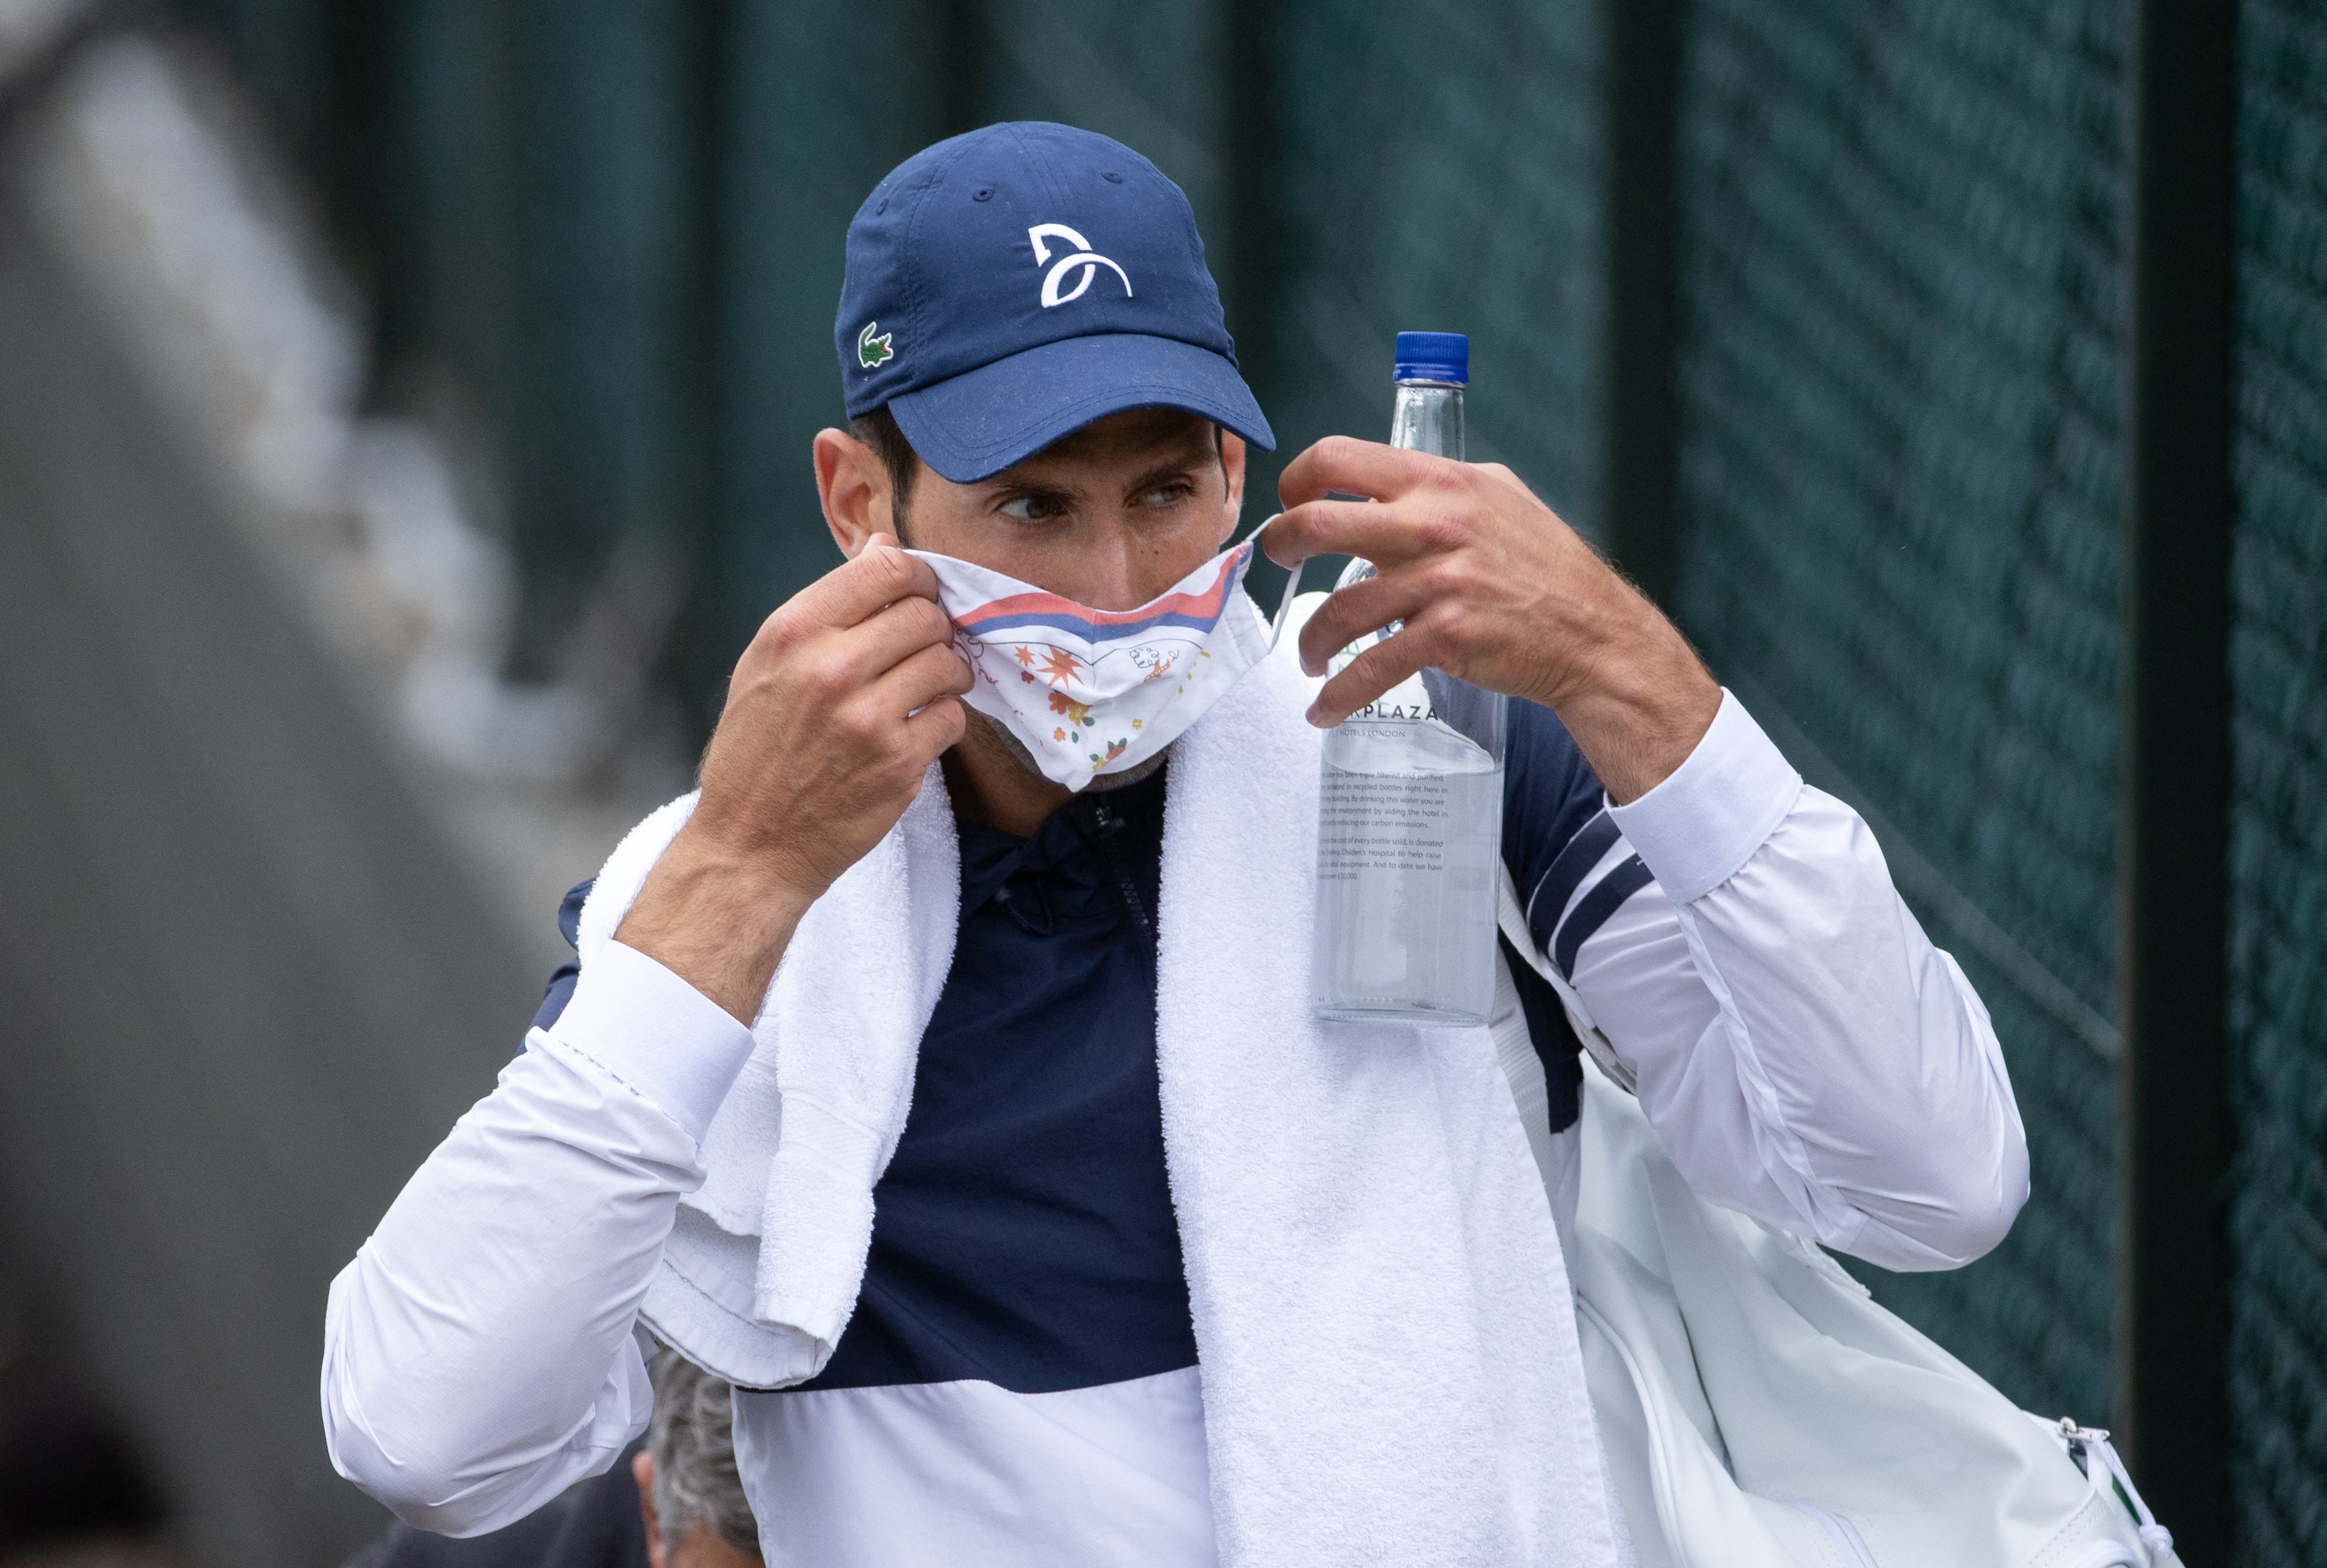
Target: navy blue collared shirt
[(1022, 1234)]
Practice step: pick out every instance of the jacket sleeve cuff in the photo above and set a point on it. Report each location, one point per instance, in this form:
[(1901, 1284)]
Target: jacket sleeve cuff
[(1696, 828), (666, 1041)]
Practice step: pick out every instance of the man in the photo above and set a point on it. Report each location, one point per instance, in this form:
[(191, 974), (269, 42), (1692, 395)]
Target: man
[(1113, 1311), (691, 1499)]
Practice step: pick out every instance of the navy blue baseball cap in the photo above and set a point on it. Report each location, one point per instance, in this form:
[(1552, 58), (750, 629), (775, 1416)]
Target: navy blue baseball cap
[(1009, 287)]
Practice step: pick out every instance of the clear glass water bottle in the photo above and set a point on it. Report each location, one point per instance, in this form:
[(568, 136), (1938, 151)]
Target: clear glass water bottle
[(1411, 817)]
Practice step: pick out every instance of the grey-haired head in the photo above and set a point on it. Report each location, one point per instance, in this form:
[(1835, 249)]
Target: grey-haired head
[(691, 1445)]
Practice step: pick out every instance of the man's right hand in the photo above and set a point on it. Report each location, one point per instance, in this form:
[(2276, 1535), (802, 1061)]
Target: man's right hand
[(845, 697)]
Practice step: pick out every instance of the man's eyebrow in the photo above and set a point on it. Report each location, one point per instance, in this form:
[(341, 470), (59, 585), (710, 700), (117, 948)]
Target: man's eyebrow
[(1170, 468), (1016, 481)]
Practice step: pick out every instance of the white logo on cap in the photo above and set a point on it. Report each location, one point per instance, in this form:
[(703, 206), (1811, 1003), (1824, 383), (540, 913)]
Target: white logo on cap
[(1083, 258)]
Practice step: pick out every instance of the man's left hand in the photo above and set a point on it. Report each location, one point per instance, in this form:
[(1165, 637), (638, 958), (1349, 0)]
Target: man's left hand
[(1493, 588)]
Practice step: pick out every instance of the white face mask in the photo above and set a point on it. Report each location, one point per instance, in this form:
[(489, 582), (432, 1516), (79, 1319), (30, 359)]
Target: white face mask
[(1096, 691)]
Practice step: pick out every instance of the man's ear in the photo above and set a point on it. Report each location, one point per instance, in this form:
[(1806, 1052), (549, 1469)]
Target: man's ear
[(1232, 455), (854, 486), (643, 1473)]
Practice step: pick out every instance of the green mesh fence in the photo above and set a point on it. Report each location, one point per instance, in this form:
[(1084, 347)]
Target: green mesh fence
[(1337, 212), (809, 106), (2278, 845), (1899, 494), (1437, 168)]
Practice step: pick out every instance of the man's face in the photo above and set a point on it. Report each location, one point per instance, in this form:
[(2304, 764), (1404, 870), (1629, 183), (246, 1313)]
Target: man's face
[(1110, 517)]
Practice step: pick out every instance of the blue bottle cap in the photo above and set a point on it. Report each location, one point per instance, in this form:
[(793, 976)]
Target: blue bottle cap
[(1432, 357)]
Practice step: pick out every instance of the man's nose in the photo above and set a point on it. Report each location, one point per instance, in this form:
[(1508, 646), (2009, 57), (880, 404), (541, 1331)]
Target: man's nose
[(1114, 570)]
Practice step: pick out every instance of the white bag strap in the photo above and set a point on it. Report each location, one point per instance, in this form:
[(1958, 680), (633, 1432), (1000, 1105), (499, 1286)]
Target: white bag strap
[(2090, 1448), (1511, 916)]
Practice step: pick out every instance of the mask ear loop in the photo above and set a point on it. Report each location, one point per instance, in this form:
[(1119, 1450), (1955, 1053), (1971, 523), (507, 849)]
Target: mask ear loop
[(1292, 591)]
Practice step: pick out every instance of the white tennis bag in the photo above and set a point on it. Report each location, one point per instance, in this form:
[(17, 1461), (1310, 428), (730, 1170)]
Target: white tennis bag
[(1759, 1410)]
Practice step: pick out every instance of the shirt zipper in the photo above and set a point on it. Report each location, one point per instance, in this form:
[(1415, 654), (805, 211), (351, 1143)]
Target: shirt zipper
[(1109, 824)]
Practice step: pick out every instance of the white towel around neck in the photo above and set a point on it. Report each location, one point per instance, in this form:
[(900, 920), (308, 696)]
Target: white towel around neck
[(1387, 1346)]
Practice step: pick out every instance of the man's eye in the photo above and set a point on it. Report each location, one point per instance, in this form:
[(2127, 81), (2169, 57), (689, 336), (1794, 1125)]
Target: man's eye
[(1032, 508), (1168, 495)]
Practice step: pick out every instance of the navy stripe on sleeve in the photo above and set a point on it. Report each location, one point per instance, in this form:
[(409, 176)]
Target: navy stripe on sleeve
[(1555, 829), (1554, 1037), (1592, 910), (1549, 897)]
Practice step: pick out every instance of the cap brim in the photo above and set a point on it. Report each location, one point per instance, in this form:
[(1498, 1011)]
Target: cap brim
[(981, 421)]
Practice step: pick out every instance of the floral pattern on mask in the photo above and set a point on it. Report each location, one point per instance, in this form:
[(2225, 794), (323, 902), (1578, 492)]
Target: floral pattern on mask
[(1093, 691)]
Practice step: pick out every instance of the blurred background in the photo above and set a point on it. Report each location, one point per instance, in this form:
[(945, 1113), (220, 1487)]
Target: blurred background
[(404, 422)]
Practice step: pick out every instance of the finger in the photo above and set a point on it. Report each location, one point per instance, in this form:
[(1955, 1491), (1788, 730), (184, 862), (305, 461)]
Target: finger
[(880, 575), (1350, 614), (893, 635), (1357, 468), (1382, 534), (1370, 674), (936, 729), (927, 676)]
